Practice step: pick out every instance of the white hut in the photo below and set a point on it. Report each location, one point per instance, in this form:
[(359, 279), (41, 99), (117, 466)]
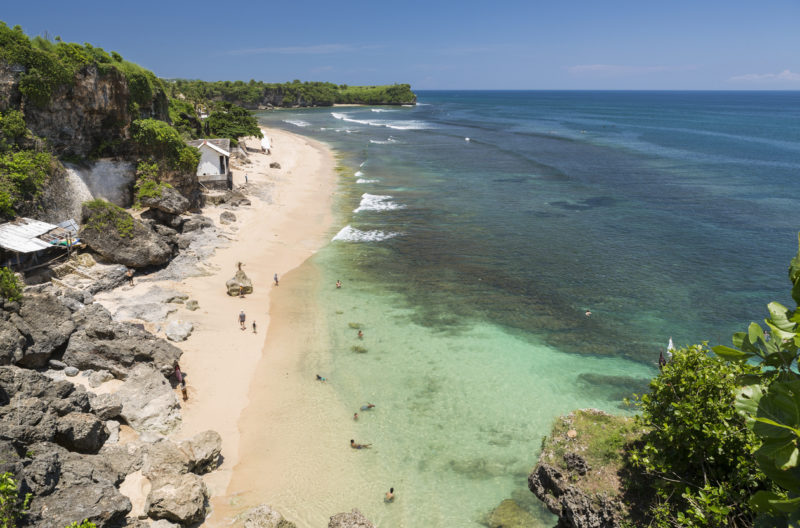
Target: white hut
[(214, 167)]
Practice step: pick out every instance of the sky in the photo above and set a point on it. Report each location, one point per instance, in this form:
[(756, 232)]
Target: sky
[(497, 44)]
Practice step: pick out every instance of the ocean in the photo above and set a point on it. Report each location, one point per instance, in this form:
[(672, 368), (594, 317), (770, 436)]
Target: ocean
[(475, 231)]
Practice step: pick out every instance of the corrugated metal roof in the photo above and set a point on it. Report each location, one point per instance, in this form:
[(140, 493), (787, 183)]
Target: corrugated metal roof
[(218, 144), (20, 235)]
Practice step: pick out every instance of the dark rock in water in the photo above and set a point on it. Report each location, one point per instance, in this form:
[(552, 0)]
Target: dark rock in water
[(354, 519), (166, 219), (196, 222), (46, 325), (81, 432), (124, 240), (170, 201), (240, 283), (102, 344), (274, 165), (179, 499), (510, 515)]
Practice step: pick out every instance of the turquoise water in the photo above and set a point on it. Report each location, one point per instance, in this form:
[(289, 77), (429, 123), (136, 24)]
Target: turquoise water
[(469, 264)]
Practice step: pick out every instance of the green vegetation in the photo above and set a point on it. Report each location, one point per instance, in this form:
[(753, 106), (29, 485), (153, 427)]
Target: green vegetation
[(770, 401), (104, 215), (232, 122), (10, 287), (84, 524), (49, 65), (164, 145), (12, 506), (147, 182), (295, 93), (358, 349), (23, 175), (697, 448)]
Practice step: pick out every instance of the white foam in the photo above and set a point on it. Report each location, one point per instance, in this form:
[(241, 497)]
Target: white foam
[(466, 139), (377, 202), (362, 163), (380, 110), (388, 141), (365, 180), (297, 122), (351, 234), (410, 124), (358, 174)]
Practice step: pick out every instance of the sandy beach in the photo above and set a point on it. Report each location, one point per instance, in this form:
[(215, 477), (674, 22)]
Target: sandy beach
[(288, 221)]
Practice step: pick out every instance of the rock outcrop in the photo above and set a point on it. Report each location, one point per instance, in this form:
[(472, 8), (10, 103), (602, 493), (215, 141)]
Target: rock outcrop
[(103, 344), (139, 248), (148, 401), (264, 517), (239, 284), (169, 201), (510, 515)]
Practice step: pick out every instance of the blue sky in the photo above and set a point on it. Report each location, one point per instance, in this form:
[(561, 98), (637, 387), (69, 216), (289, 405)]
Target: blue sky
[(643, 44)]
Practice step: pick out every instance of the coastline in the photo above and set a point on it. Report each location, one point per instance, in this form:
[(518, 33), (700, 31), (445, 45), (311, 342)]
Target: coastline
[(275, 235)]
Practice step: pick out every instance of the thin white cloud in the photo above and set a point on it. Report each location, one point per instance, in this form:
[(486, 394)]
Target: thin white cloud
[(784, 76), (318, 49), (618, 69)]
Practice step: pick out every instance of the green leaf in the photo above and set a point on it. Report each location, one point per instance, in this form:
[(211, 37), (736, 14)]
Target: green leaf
[(731, 354), (780, 317), (769, 502)]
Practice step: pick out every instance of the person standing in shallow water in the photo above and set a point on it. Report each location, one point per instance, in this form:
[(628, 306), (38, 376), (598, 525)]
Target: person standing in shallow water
[(389, 497)]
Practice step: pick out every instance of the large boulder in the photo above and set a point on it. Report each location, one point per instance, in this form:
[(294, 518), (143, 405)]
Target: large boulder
[(264, 517), (81, 432), (180, 499), (239, 283), (114, 234), (45, 324), (203, 451), (148, 401), (196, 222), (103, 344), (510, 515), (168, 201), (354, 519), (175, 221), (12, 343), (178, 330), (165, 460)]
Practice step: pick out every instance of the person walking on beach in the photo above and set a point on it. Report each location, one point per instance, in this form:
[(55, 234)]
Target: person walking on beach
[(276, 279), (320, 378), (242, 318), (389, 497), (181, 380), (254, 327), (354, 445)]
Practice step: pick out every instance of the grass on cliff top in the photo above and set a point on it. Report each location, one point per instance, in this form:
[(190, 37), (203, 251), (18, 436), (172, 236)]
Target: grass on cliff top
[(104, 215), (601, 441)]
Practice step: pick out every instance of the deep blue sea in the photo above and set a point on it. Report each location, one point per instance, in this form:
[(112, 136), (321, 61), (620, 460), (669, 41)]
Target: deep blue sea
[(476, 229)]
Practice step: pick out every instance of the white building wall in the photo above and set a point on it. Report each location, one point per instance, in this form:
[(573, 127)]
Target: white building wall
[(209, 162)]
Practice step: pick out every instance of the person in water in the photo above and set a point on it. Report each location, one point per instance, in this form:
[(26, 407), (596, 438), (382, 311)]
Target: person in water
[(338, 284), (320, 378), (355, 417), (389, 497), (354, 445), (588, 313), (360, 334), (367, 407)]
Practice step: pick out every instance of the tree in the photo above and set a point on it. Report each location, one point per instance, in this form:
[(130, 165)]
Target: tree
[(12, 507), (697, 447), (770, 400)]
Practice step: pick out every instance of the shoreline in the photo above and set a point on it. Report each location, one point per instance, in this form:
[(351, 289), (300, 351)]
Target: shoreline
[(275, 235)]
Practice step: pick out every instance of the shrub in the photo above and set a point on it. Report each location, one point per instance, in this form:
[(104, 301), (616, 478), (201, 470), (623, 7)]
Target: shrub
[(84, 524), (23, 174), (163, 143), (10, 288), (12, 507), (104, 215)]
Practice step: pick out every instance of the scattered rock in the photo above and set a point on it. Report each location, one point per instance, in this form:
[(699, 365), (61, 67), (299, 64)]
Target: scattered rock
[(227, 217), (12, 343), (203, 451), (164, 460), (170, 201), (274, 165), (240, 280), (178, 330), (354, 519), (81, 432), (576, 463), (99, 377), (56, 364), (46, 325), (192, 305), (148, 401), (196, 223), (264, 517), (173, 221), (178, 499), (71, 371), (113, 431), (106, 406)]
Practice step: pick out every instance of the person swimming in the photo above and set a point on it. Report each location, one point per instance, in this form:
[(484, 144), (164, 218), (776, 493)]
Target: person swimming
[(354, 445), (355, 417), (389, 497), (367, 407), (320, 378), (360, 334), (338, 284)]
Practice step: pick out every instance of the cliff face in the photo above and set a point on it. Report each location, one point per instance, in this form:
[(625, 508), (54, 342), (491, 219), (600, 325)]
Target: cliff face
[(89, 116)]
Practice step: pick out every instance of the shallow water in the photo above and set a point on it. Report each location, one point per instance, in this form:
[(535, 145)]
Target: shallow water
[(469, 264)]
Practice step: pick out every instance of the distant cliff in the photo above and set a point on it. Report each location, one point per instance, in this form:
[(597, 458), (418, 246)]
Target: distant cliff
[(259, 95)]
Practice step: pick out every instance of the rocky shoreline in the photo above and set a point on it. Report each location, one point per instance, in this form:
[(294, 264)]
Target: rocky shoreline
[(89, 394)]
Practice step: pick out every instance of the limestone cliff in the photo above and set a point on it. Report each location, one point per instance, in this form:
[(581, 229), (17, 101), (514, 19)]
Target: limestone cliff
[(90, 116)]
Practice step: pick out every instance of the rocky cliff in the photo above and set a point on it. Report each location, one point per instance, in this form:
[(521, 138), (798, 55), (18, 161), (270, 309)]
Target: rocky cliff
[(90, 116)]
